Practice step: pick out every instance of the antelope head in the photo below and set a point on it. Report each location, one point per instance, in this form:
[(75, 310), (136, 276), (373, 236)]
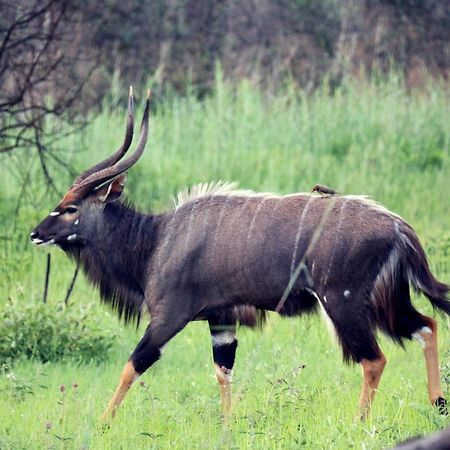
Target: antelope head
[(76, 216)]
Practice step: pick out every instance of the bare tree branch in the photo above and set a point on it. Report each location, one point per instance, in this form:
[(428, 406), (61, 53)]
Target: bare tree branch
[(44, 65)]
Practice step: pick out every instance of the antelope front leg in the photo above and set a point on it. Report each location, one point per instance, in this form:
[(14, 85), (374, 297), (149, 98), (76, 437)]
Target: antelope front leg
[(225, 378), (224, 344), (147, 352), (127, 378)]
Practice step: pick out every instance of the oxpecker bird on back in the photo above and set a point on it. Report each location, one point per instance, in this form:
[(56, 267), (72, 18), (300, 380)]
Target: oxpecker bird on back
[(322, 189)]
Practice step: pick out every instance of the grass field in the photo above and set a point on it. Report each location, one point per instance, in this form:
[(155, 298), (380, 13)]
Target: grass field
[(291, 388)]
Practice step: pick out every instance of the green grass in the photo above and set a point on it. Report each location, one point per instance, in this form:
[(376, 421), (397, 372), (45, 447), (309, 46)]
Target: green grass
[(371, 138), (277, 404)]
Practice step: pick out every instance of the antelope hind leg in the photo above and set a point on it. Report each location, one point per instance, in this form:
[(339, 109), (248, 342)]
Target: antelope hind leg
[(371, 371), (427, 336)]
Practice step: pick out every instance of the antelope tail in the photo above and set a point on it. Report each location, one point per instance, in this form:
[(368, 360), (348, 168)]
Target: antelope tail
[(418, 272)]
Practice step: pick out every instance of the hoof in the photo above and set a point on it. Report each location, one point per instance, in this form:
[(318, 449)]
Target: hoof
[(106, 419), (441, 405)]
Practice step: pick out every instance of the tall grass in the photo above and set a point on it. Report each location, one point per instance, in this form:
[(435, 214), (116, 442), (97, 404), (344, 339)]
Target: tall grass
[(369, 137), (365, 137)]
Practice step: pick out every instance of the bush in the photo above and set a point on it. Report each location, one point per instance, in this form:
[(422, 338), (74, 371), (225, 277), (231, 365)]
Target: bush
[(48, 332)]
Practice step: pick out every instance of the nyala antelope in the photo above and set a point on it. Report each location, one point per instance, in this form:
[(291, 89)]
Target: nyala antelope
[(226, 256)]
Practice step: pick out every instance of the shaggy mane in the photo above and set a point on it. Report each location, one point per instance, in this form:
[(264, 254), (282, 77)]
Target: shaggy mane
[(214, 188), (224, 188)]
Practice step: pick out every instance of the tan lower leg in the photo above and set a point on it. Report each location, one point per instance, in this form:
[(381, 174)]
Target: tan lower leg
[(372, 371), (224, 377), (126, 380), (430, 350)]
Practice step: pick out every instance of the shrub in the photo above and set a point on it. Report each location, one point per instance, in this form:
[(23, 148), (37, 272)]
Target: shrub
[(48, 332)]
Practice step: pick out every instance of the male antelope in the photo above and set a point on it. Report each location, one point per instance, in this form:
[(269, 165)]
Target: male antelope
[(223, 255)]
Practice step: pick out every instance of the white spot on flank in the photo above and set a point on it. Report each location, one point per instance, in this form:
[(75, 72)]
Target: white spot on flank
[(54, 213), (71, 237), (223, 338), (346, 293), (76, 222)]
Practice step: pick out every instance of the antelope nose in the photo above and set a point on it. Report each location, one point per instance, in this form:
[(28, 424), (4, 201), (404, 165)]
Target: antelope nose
[(33, 235)]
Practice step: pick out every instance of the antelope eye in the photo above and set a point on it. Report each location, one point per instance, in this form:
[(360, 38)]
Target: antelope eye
[(71, 210)]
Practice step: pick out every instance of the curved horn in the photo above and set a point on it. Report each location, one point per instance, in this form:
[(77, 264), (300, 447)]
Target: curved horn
[(106, 174), (120, 152)]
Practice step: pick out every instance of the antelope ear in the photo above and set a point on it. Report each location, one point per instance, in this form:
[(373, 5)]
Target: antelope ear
[(111, 191)]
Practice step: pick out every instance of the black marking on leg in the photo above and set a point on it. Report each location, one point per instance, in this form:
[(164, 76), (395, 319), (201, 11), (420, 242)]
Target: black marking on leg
[(224, 354), (143, 358), (441, 405)]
